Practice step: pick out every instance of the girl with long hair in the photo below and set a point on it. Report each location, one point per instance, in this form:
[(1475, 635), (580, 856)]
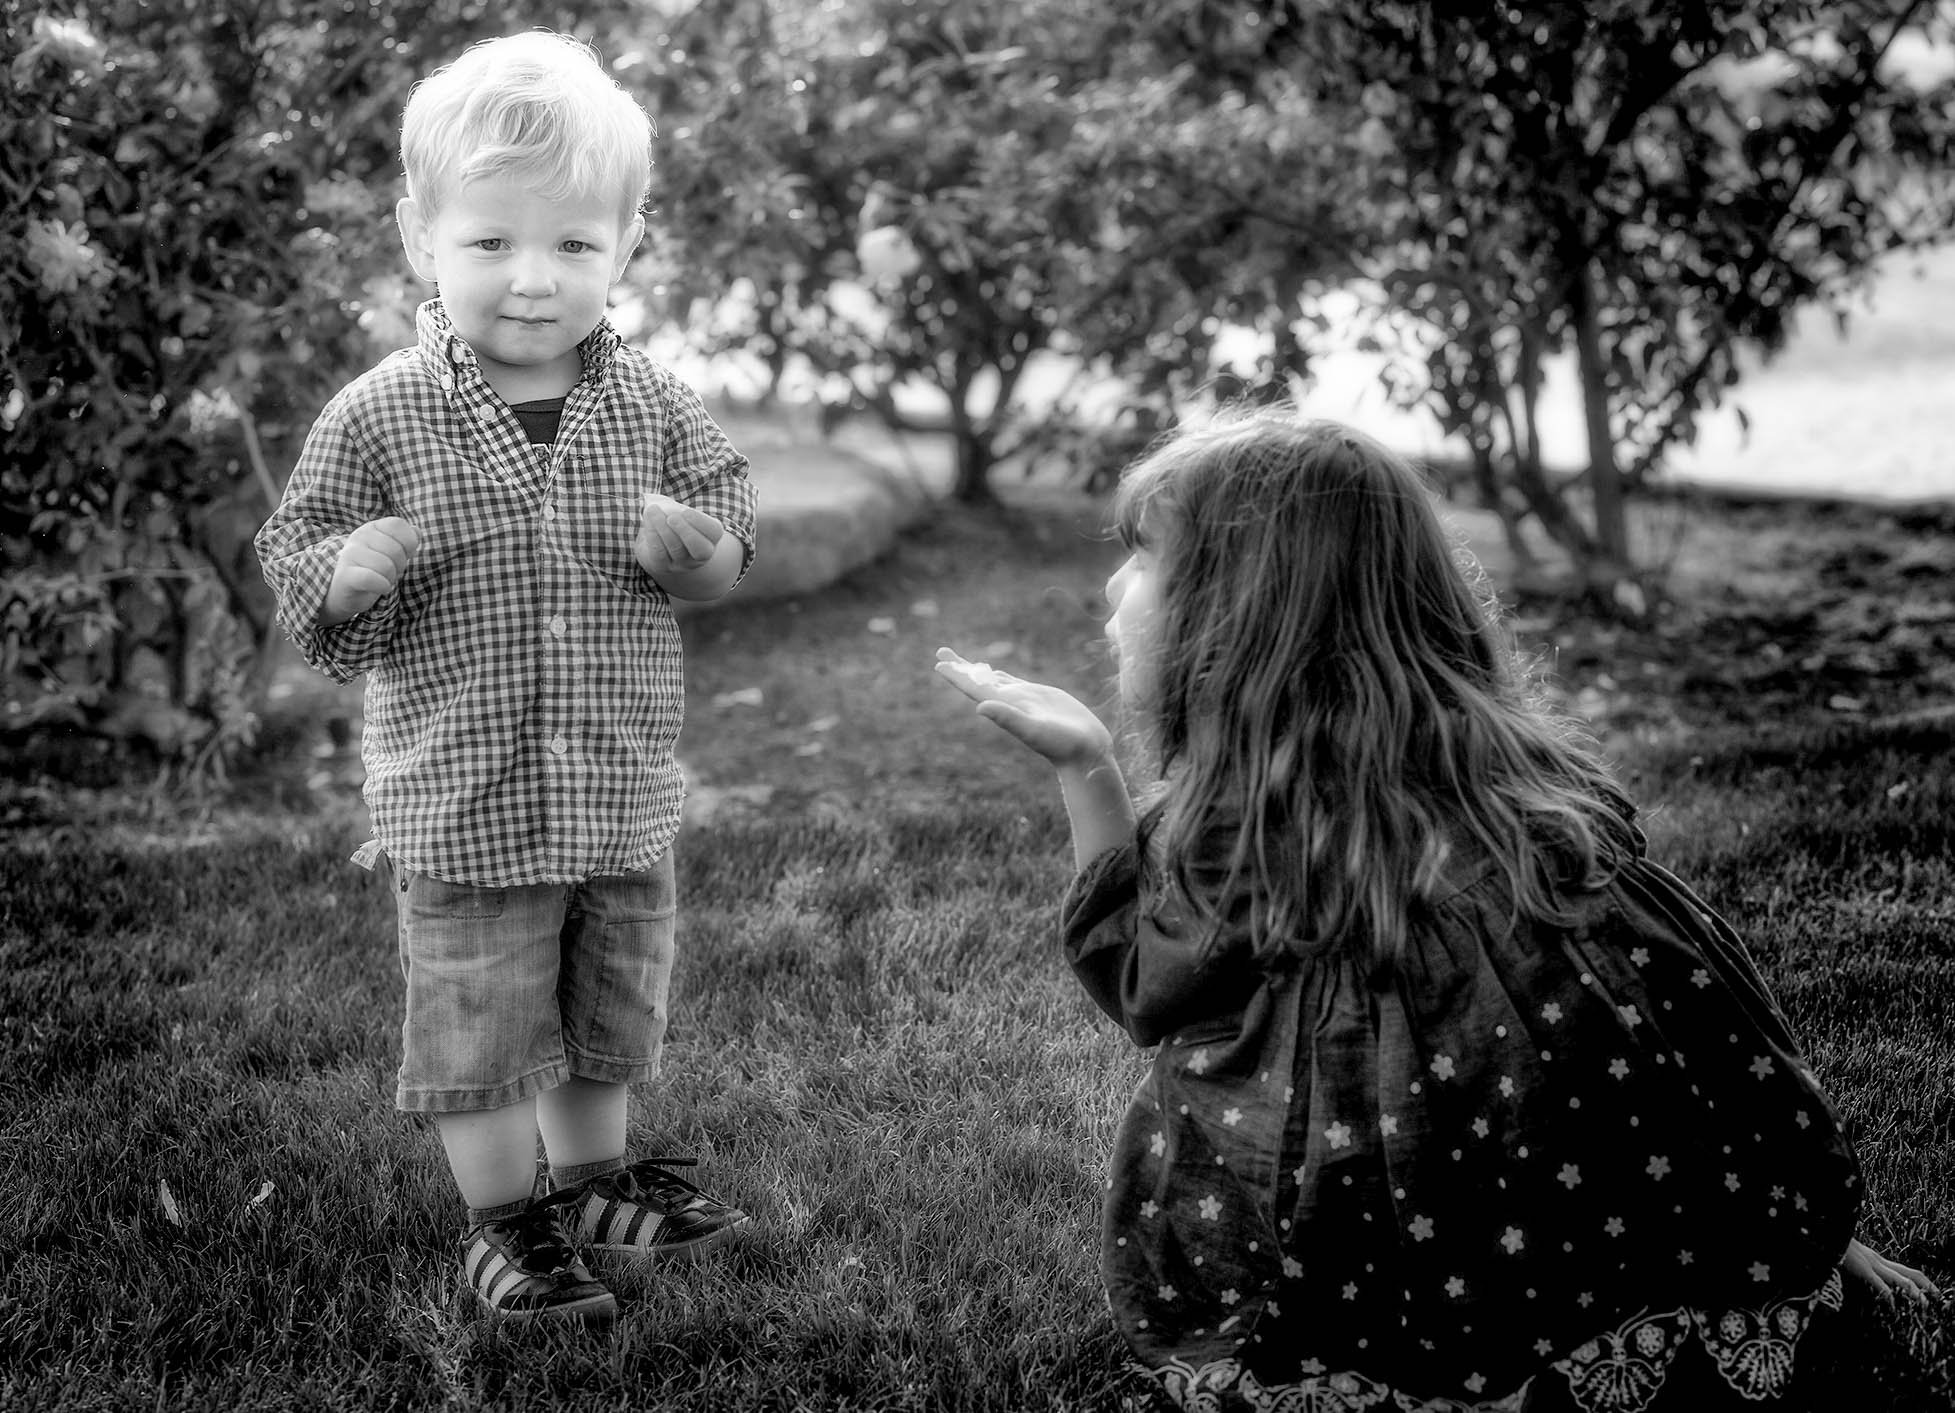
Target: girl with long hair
[(1460, 1101)]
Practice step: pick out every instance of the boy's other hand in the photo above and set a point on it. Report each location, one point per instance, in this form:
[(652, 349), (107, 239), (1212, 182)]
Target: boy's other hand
[(370, 566), (673, 537)]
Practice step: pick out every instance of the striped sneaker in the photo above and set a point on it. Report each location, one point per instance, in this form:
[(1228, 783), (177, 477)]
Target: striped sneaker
[(646, 1210), (523, 1268)]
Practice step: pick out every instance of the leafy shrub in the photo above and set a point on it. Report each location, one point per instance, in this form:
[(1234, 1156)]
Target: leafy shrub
[(196, 249)]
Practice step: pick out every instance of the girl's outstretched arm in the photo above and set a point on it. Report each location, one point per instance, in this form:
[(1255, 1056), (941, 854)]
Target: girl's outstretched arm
[(1075, 742)]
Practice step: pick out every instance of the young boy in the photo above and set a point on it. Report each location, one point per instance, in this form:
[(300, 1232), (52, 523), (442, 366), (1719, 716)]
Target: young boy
[(492, 525)]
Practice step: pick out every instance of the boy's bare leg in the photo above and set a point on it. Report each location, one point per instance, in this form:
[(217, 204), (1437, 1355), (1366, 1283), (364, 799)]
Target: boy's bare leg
[(516, 1255), (492, 1153), (582, 1121)]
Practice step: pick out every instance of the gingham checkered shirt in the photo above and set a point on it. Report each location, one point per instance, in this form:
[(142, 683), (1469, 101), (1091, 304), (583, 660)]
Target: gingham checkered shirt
[(524, 687)]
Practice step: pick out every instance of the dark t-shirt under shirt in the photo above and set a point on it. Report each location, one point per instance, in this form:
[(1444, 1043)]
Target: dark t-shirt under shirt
[(540, 419)]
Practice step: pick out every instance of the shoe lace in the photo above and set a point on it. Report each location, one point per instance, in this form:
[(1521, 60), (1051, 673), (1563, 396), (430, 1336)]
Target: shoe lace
[(536, 1234), (652, 1178)]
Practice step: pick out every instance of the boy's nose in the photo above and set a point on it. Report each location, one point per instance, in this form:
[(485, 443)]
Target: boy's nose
[(532, 276)]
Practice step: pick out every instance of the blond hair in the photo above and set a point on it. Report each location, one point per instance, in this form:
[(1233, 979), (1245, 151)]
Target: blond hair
[(537, 107), (1341, 720)]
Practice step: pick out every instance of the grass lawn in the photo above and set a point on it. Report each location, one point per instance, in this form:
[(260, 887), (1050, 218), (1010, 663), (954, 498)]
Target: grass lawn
[(210, 1204)]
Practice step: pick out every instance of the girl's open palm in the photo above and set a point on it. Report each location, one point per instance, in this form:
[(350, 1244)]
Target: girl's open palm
[(1043, 718)]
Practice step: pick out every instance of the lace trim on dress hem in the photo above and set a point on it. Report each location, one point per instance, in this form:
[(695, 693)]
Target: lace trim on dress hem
[(1619, 1372)]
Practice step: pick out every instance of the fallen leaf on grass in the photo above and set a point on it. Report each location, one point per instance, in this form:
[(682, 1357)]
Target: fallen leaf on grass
[(745, 696), (168, 1198), (265, 1190), (882, 625), (824, 723)]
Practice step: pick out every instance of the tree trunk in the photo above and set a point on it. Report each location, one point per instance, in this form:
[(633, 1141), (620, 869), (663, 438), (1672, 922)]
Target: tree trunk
[(1604, 473), (973, 484)]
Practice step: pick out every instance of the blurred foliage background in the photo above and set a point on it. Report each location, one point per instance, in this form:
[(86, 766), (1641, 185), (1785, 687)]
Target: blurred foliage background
[(901, 209)]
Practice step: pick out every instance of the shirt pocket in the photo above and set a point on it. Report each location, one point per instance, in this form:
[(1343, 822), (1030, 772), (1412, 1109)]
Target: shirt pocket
[(603, 506)]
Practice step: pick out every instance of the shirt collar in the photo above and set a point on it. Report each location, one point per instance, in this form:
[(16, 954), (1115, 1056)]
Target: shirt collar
[(447, 353)]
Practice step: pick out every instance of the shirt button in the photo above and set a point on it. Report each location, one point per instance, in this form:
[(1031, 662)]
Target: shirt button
[(559, 746), (558, 627), (549, 512)]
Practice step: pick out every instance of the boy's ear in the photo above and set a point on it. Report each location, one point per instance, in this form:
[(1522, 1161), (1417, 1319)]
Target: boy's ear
[(413, 223), (633, 232)]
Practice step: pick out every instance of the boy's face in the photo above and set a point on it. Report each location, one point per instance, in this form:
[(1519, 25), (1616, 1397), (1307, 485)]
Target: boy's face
[(524, 279)]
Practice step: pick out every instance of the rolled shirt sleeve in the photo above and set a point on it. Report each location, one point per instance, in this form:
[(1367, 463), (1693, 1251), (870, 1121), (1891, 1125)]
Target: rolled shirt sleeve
[(703, 470), (331, 493)]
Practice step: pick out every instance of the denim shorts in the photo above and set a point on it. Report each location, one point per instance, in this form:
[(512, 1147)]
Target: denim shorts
[(511, 991)]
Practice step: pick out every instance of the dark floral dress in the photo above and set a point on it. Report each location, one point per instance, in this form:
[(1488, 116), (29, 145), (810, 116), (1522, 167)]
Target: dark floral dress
[(1586, 1165)]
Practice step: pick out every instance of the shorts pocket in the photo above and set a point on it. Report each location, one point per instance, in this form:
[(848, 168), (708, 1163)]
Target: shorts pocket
[(437, 897)]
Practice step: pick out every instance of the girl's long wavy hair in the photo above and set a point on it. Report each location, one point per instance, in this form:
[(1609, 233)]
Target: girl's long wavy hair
[(1336, 707)]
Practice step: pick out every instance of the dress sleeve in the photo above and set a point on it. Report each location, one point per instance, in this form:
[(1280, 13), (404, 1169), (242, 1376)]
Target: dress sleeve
[(331, 494), (1151, 969), (1666, 902)]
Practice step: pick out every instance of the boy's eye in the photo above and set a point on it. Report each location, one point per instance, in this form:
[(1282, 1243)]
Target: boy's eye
[(576, 247), (489, 243)]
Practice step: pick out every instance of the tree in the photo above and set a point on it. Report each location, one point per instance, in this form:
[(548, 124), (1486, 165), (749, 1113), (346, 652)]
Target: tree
[(1616, 181), (942, 191)]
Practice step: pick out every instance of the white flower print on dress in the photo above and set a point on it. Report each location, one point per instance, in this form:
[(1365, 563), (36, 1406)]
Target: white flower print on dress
[(1624, 1370), (1753, 1349)]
